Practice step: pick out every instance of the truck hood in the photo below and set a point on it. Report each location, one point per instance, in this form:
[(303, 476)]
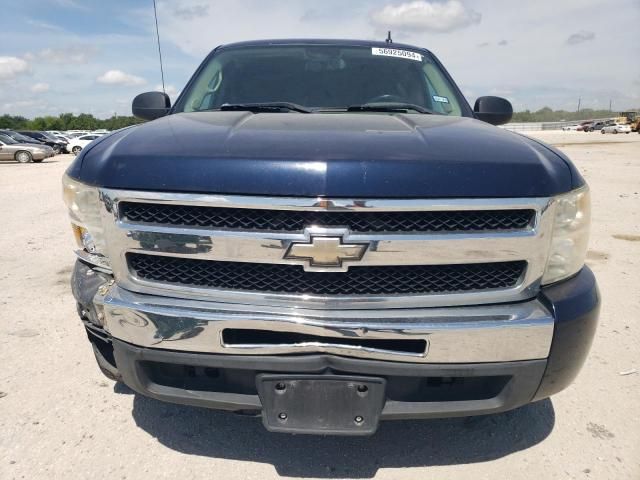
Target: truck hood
[(325, 154)]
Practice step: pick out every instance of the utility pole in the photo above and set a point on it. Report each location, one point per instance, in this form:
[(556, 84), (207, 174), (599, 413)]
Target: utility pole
[(609, 105), (579, 100)]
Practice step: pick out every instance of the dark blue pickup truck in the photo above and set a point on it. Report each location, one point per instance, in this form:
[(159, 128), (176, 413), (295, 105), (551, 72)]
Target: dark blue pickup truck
[(323, 232)]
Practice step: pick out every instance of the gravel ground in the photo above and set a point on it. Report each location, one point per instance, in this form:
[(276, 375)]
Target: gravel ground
[(60, 418)]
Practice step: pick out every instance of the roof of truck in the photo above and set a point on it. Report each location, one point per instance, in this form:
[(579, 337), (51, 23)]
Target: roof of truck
[(322, 41)]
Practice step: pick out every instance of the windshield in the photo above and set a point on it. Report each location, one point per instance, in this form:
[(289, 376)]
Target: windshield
[(7, 139), (48, 136), (21, 138), (320, 77)]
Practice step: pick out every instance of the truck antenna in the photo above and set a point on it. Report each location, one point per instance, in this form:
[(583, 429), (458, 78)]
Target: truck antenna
[(388, 40), (155, 14)]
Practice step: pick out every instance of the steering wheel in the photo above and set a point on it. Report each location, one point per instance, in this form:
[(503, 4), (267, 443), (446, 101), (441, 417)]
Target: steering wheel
[(386, 98)]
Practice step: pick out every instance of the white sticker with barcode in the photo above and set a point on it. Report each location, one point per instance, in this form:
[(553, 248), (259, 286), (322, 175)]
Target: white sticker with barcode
[(393, 52), (440, 99)]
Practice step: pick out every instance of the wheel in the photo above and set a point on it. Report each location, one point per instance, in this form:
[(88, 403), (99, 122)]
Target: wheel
[(76, 150), (615, 132), (23, 157), (602, 131)]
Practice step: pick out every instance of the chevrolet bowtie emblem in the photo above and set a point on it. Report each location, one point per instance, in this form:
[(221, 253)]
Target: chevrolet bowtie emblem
[(323, 252)]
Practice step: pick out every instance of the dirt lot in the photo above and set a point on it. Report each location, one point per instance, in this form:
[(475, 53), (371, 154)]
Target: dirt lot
[(59, 418)]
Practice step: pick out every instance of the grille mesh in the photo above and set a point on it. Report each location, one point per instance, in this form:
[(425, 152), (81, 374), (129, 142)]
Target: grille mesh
[(292, 279), (290, 220)]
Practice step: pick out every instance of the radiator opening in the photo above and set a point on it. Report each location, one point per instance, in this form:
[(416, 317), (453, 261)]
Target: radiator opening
[(239, 338)]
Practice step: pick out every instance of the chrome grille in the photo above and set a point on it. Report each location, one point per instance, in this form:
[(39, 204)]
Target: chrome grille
[(296, 221), (387, 280), (419, 252)]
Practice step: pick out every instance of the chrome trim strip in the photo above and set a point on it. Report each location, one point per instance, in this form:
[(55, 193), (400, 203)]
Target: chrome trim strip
[(496, 333), (323, 347), (320, 204), (98, 262), (530, 244)]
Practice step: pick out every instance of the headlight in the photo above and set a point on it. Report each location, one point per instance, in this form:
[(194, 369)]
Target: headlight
[(570, 235), (83, 202)]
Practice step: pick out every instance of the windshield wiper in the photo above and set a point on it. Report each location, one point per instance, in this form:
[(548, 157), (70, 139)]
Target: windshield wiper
[(265, 107), (388, 107)]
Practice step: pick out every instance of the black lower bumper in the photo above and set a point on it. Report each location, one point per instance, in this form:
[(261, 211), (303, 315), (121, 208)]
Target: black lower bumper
[(413, 390), (227, 382)]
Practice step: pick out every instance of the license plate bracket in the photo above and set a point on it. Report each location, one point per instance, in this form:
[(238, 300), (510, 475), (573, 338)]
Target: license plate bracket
[(321, 404)]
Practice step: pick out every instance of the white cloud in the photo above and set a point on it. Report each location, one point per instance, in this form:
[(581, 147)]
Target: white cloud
[(40, 87), (423, 16), (71, 4), (39, 24), (580, 37), (191, 12), (170, 90), (18, 106), (118, 77), (11, 67), (68, 55)]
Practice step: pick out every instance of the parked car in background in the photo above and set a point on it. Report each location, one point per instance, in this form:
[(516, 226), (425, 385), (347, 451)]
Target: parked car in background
[(77, 144), (585, 126), (23, 152), (77, 133), (20, 138), (66, 139), (597, 126), (616, 128), (58, 145), (570, 128)]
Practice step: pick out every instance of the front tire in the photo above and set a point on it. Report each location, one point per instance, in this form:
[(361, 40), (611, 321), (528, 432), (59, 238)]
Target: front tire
[(603, 132), (23, 157), (615, 132), (76, 150)]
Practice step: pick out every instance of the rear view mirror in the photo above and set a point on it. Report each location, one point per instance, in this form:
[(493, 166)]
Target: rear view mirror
[(151, 105), (493, 110)]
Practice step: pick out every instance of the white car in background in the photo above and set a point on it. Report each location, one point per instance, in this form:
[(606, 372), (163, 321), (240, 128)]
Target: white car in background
[(568, 128), (77, 144), (616, 128)]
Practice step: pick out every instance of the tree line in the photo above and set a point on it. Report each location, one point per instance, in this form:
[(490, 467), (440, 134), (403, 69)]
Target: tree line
[(547, 114), (66, 121), (85, 121)]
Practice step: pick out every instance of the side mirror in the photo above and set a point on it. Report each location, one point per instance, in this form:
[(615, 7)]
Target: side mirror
[(151, 105), (493, 110)]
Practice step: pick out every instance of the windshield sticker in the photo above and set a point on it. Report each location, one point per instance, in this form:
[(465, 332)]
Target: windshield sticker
[(436, 98), (392, 52)]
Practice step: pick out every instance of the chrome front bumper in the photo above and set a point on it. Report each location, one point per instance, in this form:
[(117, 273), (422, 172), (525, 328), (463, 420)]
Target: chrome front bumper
[(470, 334)]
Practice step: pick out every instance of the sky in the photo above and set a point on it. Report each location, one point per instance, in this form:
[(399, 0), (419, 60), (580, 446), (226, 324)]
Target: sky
[(94, 56)]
